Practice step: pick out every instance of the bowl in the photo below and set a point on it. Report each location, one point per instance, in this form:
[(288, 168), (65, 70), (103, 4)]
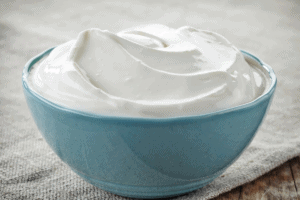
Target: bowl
[(148, 157)]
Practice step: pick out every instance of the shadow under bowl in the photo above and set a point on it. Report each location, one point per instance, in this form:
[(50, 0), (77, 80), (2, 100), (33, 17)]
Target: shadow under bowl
[(148, 157)]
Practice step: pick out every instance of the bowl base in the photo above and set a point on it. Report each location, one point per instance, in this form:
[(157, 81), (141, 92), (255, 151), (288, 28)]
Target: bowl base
[(147, 192)]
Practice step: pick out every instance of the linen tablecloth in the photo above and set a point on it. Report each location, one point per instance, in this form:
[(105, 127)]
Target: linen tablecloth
[(269, 29)]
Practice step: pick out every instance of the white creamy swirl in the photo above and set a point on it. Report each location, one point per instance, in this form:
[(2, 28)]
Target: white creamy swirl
[(146, 71)]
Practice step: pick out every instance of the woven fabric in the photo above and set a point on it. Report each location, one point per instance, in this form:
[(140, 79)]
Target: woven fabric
[(269, 29)]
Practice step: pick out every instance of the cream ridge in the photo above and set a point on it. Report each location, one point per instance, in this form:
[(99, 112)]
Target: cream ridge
[(147, 71)]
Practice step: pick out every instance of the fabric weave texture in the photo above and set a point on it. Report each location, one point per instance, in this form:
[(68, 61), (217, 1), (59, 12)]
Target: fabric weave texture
[(269, 29)]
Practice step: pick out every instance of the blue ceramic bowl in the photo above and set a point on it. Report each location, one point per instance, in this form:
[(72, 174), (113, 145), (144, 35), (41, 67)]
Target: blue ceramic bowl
[(146, 157)]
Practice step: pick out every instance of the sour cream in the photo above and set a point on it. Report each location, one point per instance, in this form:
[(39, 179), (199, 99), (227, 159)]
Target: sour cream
[(147, 71)]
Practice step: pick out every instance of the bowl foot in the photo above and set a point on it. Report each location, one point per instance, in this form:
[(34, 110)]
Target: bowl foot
[(148, 192)]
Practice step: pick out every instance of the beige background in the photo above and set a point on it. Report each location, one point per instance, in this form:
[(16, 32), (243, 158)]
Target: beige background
[(268, 29)]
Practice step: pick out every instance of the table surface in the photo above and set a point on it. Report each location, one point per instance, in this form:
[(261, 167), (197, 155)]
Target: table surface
[(281, 183), (269, 29)]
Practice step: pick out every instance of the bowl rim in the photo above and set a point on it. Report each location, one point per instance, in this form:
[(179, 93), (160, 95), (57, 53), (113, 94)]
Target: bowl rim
[(267, 94)]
